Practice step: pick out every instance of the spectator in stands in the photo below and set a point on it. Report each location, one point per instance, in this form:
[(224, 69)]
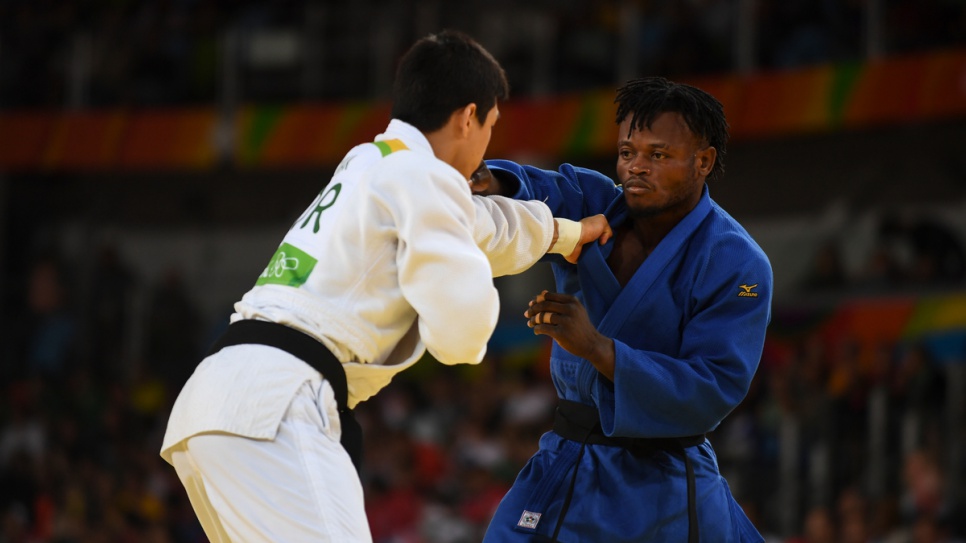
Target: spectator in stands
[(853, 516), (922, 484), (108, 319), (885, 525), (819, 527), (917, 391), (52, 339), (888, 260), (172, 343), (827, 271), (918, 251), (939, 257)]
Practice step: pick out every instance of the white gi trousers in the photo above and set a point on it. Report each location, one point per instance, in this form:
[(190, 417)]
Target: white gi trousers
[(300, 486)]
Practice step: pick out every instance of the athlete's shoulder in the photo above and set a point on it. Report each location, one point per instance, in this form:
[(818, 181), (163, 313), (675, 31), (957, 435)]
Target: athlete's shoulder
[(415, 166), (417, 177), (721, 242), (729, 229)]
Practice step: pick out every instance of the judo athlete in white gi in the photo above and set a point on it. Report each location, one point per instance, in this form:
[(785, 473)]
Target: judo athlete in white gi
[(393, 258), (657, 335)]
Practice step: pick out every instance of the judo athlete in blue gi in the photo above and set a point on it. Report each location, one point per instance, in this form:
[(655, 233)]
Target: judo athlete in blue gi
[(657, 335)]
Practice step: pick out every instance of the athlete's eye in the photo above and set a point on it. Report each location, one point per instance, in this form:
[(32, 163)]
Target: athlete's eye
[(658, 155), (624, 153)]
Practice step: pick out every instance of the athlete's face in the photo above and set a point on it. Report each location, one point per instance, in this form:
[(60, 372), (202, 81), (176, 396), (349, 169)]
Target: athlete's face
[(478, 139), (662, 167)]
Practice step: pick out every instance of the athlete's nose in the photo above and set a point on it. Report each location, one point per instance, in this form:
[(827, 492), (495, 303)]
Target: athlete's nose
[(638, 167)]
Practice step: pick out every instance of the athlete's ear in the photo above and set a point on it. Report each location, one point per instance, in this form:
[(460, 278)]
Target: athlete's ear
[(465, 116), (705, 159)]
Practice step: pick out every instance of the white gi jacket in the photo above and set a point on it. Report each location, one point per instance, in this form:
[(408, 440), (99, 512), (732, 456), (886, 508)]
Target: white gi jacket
[(386, 263)]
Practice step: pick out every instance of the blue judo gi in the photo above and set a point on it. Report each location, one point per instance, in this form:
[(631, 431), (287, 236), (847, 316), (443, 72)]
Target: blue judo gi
[(688, 333)]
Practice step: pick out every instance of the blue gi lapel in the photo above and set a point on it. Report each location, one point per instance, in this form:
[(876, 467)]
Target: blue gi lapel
[(644, 277), (598, 286)]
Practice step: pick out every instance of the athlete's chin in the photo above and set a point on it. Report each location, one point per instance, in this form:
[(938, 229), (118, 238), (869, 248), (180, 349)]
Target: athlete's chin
[(642, 207), (644, 211)]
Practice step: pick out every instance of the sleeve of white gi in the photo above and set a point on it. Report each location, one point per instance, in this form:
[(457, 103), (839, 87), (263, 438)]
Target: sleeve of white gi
[(443, 274), (515, 234)]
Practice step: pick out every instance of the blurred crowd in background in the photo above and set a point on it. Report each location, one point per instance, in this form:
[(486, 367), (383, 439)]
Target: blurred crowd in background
[(93, 356), (908, 251), (93, 53)]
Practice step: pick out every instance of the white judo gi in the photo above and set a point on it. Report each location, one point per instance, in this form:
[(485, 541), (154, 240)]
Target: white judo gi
[(394, 257)]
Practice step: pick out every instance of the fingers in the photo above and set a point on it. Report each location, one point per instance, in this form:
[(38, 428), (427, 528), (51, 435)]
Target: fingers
[(594, 227), (548, 308), (606, 235), (540, 297), (559, 297), (480, 180), (550, 301), (480, 173), (536, 300), (544, 317), (545, 322)]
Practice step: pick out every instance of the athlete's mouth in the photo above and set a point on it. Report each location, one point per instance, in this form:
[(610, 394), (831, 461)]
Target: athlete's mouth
[(637, 186)]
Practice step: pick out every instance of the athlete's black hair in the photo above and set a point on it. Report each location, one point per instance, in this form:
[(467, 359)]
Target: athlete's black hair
[(645, 98), (442, 73)]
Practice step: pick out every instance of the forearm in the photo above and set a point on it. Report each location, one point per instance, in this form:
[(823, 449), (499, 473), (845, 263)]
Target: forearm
[(603, 357), (513, 234)]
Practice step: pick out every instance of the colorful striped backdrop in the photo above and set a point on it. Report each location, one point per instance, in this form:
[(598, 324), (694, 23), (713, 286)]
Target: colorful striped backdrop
[(904, 89)]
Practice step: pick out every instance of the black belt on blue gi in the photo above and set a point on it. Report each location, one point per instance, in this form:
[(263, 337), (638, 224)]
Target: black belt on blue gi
[(312, 352), (580, 422)]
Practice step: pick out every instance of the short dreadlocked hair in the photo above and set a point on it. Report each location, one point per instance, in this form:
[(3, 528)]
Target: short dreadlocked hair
[(647, 97)]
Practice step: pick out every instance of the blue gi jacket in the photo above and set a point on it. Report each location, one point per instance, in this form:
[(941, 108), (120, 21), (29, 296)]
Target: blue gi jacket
[(688, 333)]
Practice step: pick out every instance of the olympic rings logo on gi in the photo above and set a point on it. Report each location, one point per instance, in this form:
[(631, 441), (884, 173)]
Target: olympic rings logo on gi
[(289, 266), (281, 265)]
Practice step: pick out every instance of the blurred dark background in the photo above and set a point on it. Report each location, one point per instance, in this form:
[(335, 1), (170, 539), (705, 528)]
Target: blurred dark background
[(152, 154)]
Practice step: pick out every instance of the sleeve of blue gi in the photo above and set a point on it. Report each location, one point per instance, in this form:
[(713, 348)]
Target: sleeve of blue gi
[(570, 192)]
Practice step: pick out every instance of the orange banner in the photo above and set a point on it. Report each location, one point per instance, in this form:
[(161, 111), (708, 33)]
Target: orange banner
[(917, 88)]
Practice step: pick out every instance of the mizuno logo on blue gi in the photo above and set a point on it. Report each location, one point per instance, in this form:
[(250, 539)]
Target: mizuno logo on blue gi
[(529, 520), (746, 292)]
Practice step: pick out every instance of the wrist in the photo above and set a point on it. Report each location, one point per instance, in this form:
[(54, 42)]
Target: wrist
[(566, 236), (604, 356)]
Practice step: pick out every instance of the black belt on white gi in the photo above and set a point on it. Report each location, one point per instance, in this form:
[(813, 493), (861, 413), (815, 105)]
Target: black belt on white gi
[(581, 422), (312, 352)]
